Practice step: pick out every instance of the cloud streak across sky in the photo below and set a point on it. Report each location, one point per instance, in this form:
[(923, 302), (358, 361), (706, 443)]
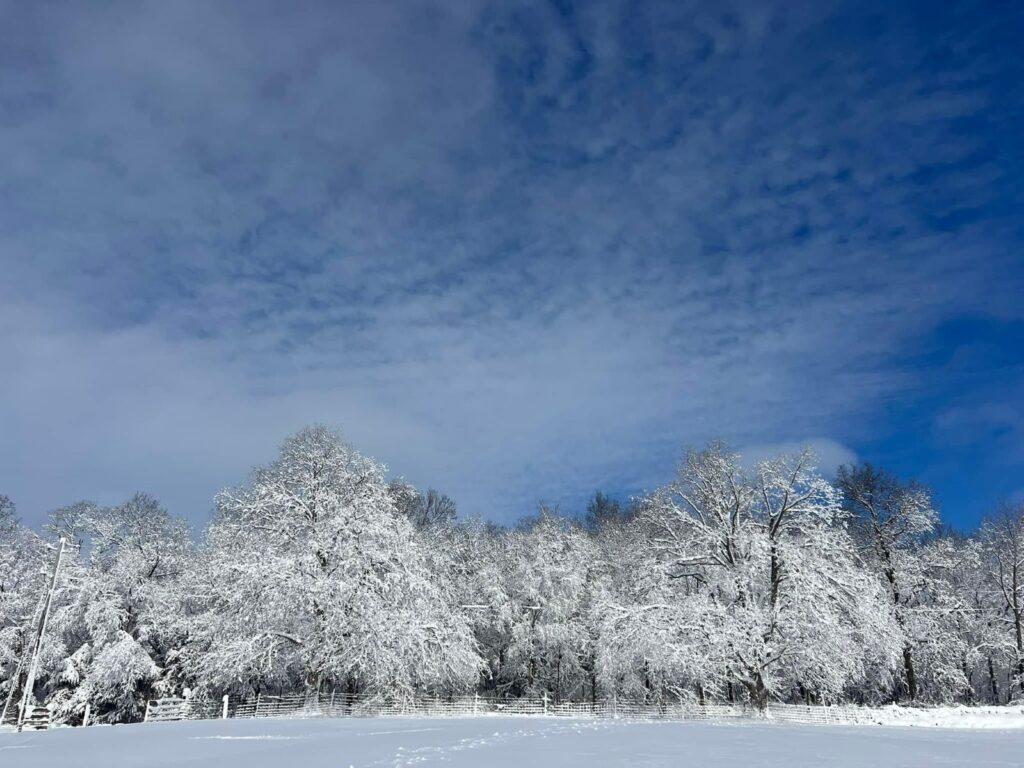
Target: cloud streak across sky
[(517, 251)]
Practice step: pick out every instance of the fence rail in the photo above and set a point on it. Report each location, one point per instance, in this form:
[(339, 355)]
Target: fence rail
[(348, 705), (337, 705), (170, 709)]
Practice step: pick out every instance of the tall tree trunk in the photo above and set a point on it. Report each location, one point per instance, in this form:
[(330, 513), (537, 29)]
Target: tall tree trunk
[(775, 576), (992, 681), (969, 689), (1018, 622), (312, 686), (908, 669), (593, 679), (558, 678), (758, 692)]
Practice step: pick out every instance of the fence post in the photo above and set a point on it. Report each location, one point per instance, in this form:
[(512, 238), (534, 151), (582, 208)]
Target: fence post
[(476, 702), (256, 712), (545, 702), (85, 717), (224, 709), (615, 705), (145, 717)]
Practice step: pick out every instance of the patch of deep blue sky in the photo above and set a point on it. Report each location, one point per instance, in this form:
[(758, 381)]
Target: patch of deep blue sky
[(518, 251)]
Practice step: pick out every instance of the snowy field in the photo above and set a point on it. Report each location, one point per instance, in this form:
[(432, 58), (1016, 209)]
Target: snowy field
[(498, 742)]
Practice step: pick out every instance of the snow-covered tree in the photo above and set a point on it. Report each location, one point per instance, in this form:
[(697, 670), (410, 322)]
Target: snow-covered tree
[(939, 621), (317, 578), (768, 563), (424, 510), (732, 582), (891, 518), (550, 641), (1002, 539), (111, 627), (654, 628), (22, 580)]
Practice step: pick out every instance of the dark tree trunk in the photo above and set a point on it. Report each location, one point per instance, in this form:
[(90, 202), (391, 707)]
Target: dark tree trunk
[(993, 685), (908, 668), (758, 693), (969, 689), (775, 576)]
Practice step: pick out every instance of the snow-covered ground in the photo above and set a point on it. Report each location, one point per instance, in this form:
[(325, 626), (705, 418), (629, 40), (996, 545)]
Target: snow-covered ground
[(498, 742), (946, 717)]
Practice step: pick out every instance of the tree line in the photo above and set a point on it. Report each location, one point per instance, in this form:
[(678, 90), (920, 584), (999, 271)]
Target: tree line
[(738, 584)]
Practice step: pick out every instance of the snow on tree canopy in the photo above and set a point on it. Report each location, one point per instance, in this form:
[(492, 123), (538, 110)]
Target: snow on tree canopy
[(731, 583), (315, 577)]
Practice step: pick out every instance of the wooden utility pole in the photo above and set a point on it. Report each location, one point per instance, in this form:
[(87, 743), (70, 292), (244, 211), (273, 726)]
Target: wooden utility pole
[(30, 681)]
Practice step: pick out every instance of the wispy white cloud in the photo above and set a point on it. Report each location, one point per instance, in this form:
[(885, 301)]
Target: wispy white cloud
[(829, 454), (513, 253)]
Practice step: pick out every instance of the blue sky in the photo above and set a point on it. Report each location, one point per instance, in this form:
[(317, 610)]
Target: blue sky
[(515, 250)]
